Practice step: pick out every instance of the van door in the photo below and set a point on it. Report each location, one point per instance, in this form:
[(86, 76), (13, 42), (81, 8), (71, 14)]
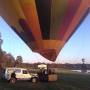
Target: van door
[(26, 75)]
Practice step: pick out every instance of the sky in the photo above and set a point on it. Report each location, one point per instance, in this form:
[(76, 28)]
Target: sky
[(75, 49)]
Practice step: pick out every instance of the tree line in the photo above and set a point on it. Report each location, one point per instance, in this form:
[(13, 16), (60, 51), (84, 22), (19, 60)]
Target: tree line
[(7, 59)]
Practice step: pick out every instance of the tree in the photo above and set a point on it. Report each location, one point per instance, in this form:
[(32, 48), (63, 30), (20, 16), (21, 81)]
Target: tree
[(1, 54), (8, 59), (83, 60), (18, 61), (1, 41), (84, 67)]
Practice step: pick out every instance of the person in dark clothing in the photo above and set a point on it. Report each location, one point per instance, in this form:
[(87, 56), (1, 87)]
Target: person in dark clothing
[(13, 77)]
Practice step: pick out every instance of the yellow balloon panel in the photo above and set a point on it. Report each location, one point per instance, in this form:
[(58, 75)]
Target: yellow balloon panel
[(8, 12), (18, 8)]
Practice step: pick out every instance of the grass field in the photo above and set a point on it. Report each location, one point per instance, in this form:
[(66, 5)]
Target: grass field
[(66, 81)]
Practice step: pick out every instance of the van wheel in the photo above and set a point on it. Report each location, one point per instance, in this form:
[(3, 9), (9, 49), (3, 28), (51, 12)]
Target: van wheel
[(34, 80)]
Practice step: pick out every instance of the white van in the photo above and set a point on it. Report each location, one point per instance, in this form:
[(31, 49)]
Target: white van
[(21, 74)]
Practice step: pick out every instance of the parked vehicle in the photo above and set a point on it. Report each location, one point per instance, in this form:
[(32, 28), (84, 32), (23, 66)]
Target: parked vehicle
[(43, 75), (21, 74)]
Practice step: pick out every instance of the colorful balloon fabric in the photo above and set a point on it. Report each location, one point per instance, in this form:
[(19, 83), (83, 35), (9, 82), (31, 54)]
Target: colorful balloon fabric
[(44, 25)]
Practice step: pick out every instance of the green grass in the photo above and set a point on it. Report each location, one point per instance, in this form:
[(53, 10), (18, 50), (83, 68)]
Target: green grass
[(66, 81)]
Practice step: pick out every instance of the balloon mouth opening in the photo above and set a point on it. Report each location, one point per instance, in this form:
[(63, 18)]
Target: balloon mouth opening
[(49, 54)]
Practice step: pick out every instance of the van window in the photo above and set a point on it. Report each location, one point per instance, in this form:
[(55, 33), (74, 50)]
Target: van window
[(17, 70), (10, 70), (25, 72)]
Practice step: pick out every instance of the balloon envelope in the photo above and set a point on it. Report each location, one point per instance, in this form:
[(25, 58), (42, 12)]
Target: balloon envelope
[(44, 25)]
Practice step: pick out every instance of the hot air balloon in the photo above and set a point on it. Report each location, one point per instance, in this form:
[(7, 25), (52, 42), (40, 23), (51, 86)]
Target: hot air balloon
[(44, 25)]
